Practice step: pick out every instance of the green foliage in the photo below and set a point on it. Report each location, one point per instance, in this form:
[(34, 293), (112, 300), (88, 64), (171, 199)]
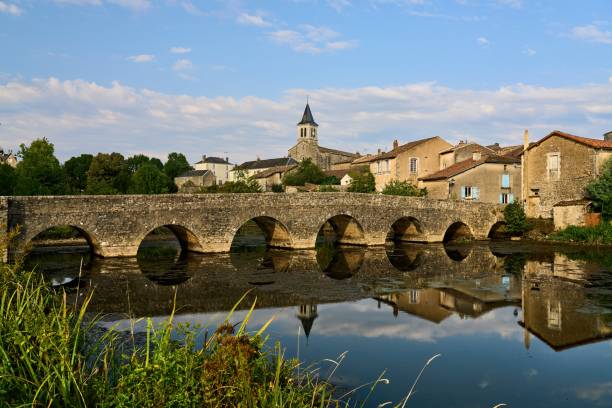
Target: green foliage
[(148, 179), (516, 220), (331, 180), (39, 172), (8, 178), (597, 235), (278, 188), (404, 188), (176, 164), (248, 185), (76, 173), (306, 172), (363, 183), (327, 188), (108, 174), (600, 191)]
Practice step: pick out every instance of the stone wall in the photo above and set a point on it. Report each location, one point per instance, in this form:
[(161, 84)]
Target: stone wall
[(116, 225)]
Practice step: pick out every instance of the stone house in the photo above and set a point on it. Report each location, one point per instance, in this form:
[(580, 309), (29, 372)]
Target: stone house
[(307, 146), (219, 167), (462, 151), (251, 168), (407, 162), (558, 168), (8, 158), (193, 180), (272, 176), (491, 179)]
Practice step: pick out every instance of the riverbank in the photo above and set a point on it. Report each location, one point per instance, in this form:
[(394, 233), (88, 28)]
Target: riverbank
[(599, 235), (48, 358)]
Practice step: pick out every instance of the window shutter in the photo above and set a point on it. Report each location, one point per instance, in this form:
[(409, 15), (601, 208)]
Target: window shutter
[(510, 198), (462, 191), (501, 198), (475, 193)]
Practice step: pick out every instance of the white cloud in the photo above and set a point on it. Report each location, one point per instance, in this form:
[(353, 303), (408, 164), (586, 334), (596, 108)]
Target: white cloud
[(592, 33), (180, 50), (10, 8), (182, 65), (80, 116), (142, 58), (483, 42), (339, 5), (530, 52), (257, 20), (312, 39), (138, 5)]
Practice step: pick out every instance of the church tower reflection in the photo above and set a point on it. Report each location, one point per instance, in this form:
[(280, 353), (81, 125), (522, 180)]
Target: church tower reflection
[(307, 315)]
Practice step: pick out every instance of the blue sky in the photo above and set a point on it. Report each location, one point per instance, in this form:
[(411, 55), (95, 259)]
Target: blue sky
[(209, 77)]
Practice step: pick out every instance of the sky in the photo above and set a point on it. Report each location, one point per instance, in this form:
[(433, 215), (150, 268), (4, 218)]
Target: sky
[(231, 78)]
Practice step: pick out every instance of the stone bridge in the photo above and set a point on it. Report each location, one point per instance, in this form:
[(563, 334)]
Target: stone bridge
[(115, 226)]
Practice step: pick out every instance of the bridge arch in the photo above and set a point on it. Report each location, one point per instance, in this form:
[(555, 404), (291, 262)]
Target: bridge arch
[(92, 241), (342, 229), (275, 232), (406, 229), (498, 230), (458, 231), (187, 240)]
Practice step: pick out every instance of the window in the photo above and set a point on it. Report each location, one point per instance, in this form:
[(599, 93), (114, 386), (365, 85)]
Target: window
[(414, 296), (505, 181), (470, 193), (414, 165), (553, 161), (506, 198), (387, 166), (378, 167), (313, 132), (554, 315)]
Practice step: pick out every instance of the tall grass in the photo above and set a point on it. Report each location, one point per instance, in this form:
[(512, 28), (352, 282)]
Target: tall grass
[(597, 235)]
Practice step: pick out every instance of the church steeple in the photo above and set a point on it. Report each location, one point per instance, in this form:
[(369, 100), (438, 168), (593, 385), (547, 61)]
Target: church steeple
[(307, 314), (307, 127)]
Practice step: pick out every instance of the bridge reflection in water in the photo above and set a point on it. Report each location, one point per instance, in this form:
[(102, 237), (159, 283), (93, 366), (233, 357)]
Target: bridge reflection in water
[(563, 302)]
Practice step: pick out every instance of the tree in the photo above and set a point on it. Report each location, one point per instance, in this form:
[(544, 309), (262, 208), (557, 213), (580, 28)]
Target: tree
[(108, 174), (363, 183), (177, 164), (403, 188), (39, 172), (76, 173), (600, 191), (242, 184), (7, 180), (516, 220), (148, 179), (306, 172)]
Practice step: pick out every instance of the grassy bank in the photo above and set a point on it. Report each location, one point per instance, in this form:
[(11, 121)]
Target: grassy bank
[(49, 356), (598, 235)]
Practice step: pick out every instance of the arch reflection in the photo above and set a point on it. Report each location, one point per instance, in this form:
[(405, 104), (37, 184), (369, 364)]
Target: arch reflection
[(340, 262)]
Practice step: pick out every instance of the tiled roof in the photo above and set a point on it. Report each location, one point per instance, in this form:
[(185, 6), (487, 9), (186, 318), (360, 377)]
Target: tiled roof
[(477, 147), (337, 173), (216, 160), (468, 164), (266, 164), (594, 143), (193, 173), (338, 152), (393, 153), (269, 172)]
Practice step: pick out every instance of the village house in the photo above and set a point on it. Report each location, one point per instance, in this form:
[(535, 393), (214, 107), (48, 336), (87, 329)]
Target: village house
[(490, 179), (272, 176), (307, 146), (193, 181), (220, 168), (462, 151), (407, 162), (558, 167), (8, 158), (251, 168)]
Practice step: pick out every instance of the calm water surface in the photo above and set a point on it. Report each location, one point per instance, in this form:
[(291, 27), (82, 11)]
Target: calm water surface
[(525, 325)]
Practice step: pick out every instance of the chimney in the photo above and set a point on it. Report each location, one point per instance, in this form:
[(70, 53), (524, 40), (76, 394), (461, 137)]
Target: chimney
[(379, 151), (608, 136), (476, 156), (395, 144), (203, 157), (226, 159), (258, 158), (526, 139)]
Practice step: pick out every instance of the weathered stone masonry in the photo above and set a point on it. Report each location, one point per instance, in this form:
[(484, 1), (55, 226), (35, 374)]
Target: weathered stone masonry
[(116, 225)]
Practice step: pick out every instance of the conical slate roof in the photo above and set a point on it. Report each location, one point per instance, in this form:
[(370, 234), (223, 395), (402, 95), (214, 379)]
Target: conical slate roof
[(307, 118)]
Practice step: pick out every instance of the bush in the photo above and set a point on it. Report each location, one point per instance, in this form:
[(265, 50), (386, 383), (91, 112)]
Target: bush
[(404, 188), (278, 188), (363, 183), (516, 220), (326, 188), (598, 235), (600, 191)]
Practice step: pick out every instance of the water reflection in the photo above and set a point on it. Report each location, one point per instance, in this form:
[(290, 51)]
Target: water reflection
[(489, 313)]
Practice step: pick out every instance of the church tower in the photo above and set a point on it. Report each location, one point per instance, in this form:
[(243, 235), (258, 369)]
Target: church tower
[(307, 128)]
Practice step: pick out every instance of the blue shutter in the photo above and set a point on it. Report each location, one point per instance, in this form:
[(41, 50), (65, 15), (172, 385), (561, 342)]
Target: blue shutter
[(510, 198), (475, 193), (501, 198), (462, 192), (505, 180)]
